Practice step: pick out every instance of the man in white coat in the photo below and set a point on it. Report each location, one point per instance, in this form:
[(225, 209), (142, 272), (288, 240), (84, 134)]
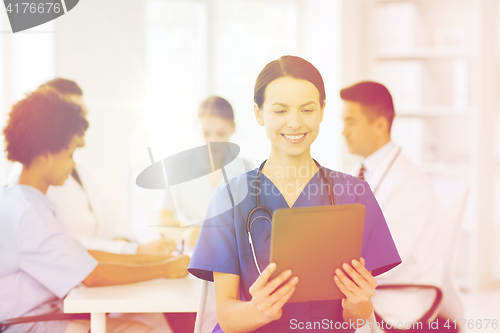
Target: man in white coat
[(403, 192)]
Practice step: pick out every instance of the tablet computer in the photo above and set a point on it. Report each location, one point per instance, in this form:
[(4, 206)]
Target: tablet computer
[(313, 242)]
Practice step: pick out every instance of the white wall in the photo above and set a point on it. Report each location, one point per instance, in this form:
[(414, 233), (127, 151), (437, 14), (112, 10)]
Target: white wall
[(27, 59), (100, 44), (320, 43)]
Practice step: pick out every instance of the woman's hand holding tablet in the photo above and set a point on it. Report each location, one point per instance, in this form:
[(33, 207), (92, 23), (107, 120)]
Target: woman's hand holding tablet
[(268, 299), (267, 296), (358, 289)]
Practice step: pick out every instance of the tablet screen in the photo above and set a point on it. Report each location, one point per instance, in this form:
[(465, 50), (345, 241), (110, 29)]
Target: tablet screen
[(313, 242)]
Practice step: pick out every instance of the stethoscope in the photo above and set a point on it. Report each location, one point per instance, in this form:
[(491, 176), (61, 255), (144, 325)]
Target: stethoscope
[(387, 171), (268, 211)]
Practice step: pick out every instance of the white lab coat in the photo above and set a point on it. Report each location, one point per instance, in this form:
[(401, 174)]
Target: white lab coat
[(190, 201), (86, 215), (408, 202)]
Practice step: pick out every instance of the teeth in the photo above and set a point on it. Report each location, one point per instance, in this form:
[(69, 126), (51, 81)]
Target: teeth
[(294, 137)]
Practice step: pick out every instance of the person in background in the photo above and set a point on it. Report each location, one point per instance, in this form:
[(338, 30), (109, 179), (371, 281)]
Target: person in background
[(403, 191), (289, 100), (41, 261), (189, 204), (81, 208)]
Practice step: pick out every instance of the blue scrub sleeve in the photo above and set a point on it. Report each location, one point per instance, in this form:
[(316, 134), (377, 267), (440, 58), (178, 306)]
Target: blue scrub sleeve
[(49, 254), (216, 249), (379, 250)]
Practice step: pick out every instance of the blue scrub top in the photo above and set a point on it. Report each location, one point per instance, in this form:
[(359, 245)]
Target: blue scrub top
[(223, 242)]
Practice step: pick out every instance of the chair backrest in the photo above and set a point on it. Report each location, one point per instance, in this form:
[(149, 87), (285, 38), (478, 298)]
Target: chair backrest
[(206, 318), (452, 197)]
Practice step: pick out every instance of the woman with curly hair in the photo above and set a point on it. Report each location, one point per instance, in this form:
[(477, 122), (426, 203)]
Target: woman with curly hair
[(41, 261)]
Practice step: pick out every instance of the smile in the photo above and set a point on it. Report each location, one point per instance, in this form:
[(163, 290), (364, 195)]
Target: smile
[(294, 138)]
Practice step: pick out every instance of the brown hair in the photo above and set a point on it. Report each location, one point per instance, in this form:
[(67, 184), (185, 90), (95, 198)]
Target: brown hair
[(44, 121), (374, 96), (64, 86), (216, 106), (292, 66)]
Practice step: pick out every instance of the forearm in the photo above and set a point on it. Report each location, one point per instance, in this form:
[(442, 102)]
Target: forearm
[(102, 256), (237, 316), (268, 299), (362, 311), (106, 274)]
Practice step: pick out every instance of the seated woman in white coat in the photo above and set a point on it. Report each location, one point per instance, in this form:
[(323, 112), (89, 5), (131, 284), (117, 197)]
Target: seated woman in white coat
[(41, 261), (187, 205)]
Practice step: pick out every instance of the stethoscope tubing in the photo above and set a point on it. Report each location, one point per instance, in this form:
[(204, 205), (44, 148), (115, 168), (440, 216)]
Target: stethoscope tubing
[(258, 207), (387, 171)]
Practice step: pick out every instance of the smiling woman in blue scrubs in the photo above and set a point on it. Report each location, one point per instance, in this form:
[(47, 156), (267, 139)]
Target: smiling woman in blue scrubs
[(289, 102)]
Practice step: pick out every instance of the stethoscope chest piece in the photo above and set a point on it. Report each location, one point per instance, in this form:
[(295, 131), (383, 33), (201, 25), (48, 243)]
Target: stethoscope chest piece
[(265, 209)]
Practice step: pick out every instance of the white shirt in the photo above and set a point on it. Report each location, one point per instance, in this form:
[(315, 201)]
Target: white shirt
[(408, 202), (40, 261), (190, 200), (85, 214)]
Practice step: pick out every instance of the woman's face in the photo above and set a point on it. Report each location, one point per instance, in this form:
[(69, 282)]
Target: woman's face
[(291, 114), (216, 129)]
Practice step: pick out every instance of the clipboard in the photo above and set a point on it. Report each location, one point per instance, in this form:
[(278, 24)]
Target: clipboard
[(313, 242)]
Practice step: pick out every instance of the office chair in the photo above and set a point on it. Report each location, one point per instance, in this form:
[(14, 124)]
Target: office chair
[(447, 304), (46, 317)]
